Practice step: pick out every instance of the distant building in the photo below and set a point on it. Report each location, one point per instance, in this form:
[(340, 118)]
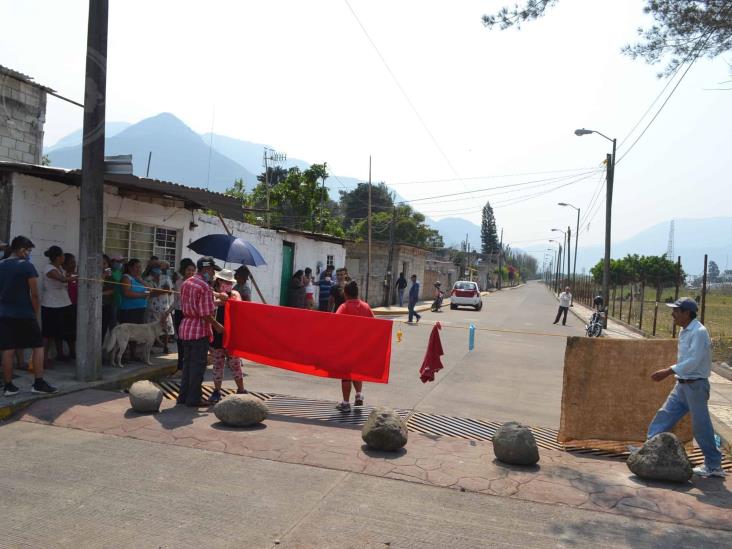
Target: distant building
[(22, 115)]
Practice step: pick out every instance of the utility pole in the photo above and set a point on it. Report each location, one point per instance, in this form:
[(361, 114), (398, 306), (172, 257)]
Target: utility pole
[(389, 279), (569, 253), (500, 266), (91, 199), (322, 200), (610, 159), (559, 270), (276, 158), (368, 220), (576, 245)]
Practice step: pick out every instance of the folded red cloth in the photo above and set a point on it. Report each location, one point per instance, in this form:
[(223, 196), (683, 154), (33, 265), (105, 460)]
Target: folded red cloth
[(432, 363), (309, 342)]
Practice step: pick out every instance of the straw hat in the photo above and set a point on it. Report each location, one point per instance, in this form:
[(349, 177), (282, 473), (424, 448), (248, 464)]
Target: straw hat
[(226, 275)]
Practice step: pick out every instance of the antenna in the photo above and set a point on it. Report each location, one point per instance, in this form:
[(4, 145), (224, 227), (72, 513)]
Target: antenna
[(670, 249), (270, 155)]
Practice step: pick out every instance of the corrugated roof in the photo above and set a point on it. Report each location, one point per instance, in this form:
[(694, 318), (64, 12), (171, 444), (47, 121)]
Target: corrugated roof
[(193, 197), (23, 78)]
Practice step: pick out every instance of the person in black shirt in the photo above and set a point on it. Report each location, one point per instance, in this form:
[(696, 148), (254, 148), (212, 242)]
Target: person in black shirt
[(401, 285)]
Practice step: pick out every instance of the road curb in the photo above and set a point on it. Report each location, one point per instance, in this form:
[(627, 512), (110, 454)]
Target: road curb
[(121, 382)]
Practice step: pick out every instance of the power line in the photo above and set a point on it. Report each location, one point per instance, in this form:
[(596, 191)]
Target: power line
[(448, 180), (401, 89)]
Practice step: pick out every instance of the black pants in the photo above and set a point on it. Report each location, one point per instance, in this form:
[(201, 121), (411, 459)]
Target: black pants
[(177, 319), (194, 368), (559, 313)]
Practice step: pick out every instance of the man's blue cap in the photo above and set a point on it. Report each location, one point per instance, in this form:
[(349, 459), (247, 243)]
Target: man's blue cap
[(685, 304)]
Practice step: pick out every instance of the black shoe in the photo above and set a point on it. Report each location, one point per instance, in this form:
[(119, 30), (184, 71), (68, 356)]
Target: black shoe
[(41, 386), (10, 390)]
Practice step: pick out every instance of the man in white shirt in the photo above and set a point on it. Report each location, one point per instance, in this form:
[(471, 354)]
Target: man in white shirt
[(565, 298), (691, 392)]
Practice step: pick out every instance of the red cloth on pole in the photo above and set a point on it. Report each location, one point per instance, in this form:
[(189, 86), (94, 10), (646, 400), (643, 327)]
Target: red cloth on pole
[(309, 342), (432, 363)]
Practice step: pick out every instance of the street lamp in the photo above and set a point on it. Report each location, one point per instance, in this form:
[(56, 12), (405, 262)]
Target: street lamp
[(558, 264), (576, 242), (610, 160), (568, 249)]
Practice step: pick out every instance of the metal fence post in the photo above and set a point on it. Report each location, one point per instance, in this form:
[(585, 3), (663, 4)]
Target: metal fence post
[(676, 293), (642, 304)]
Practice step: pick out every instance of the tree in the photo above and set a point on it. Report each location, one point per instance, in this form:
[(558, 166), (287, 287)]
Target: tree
[(713, 272), (488, 233), (354, 203), (683, 29), (409, 228)]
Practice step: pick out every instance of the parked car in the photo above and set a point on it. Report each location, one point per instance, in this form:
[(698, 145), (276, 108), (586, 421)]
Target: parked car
[(466, 294)]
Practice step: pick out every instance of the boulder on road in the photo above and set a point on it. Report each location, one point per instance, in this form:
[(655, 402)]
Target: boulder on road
[(662, 457), (515, 444), (145, 396), (241, 410), (384, 430)]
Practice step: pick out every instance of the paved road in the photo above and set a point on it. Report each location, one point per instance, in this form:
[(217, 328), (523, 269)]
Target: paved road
[(507, 377), (70, 488)]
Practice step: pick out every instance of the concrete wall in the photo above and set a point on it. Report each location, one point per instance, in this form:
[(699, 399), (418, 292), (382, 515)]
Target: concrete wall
[(48, 213), (22, 115), (406, 258)]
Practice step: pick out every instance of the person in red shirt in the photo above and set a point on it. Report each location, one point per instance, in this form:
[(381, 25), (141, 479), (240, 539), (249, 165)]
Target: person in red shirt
[(352, 306), (195, 332)]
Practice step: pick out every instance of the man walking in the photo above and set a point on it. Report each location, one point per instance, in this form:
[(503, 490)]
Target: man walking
[(400, 286), (352, 306), (691, 392), (195, 332), (20, 306), (413, 299), (565, 298)]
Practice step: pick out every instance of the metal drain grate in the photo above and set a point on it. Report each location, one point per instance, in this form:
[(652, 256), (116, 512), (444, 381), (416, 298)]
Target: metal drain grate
[(419, 422)]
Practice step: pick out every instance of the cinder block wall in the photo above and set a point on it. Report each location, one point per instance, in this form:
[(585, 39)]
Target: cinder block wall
[(22, 115)]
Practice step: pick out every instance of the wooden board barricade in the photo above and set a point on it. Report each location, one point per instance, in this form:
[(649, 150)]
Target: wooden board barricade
[(608, 395)]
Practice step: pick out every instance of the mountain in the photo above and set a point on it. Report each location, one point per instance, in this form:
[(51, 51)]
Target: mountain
[(178, 154), (692, 239), (454, 229), (74, 138)]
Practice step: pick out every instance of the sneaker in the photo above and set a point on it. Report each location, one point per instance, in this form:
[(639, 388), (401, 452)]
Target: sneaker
[(42, 386), (704, 471), (215, 396), (633, 449), (359, 399), (343, 407), (10, 390)]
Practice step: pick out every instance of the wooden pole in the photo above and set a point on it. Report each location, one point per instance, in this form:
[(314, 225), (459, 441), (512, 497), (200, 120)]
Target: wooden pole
[(704, 291), (91, 198), (676, 292), (368, 259)]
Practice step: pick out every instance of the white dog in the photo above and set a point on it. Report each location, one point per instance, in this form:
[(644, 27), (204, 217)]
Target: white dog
[(143, 334)]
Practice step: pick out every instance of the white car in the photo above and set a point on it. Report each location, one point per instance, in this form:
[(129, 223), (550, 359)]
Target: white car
[(465, 293)]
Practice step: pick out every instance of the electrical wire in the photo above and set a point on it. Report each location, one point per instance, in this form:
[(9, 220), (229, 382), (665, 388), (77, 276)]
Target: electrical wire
[(477, 177)]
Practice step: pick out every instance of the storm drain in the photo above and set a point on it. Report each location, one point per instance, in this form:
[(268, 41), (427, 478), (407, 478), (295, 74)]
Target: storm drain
[(420, 422)]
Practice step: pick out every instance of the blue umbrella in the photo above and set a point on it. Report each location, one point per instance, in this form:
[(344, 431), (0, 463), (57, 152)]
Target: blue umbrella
[(228, 248)]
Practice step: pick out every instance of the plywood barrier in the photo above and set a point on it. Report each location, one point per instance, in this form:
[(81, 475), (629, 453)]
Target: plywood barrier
[(608, 394)]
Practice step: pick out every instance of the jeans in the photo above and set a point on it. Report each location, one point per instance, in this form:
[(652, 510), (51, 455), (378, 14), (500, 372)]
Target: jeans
[(559, 313), (412, 312), (691, 398), (194, 367), (400, 293)]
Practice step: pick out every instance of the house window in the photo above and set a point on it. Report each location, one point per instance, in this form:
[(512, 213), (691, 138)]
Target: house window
[(141, 241), (329, 261)]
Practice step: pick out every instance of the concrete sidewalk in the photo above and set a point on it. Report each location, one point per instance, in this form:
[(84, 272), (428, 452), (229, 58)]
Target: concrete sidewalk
[(337, 492)]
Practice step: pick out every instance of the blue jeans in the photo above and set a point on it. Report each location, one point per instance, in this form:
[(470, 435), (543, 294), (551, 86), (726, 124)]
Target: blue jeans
[(412, 312), (691, 398), (400, 293)]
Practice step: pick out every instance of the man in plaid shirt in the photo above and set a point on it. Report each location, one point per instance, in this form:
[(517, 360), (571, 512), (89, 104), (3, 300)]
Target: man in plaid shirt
[(195, 332)]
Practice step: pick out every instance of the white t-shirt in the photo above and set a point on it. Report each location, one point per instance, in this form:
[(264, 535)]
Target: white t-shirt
[(565, 298), (55, 294)]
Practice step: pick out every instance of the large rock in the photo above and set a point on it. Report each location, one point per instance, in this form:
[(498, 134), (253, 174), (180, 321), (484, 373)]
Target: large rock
[(515, 444), (384, 430), (241, 410), (145, 397), (662, 457)]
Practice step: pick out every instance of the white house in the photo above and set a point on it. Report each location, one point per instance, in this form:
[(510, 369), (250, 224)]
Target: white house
[(144, 217)]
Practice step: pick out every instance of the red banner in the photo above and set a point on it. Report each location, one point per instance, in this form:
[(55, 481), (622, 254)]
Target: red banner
[(310, 342)]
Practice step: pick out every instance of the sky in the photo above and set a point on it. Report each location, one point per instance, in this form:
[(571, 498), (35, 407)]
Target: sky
[(441, 104)]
